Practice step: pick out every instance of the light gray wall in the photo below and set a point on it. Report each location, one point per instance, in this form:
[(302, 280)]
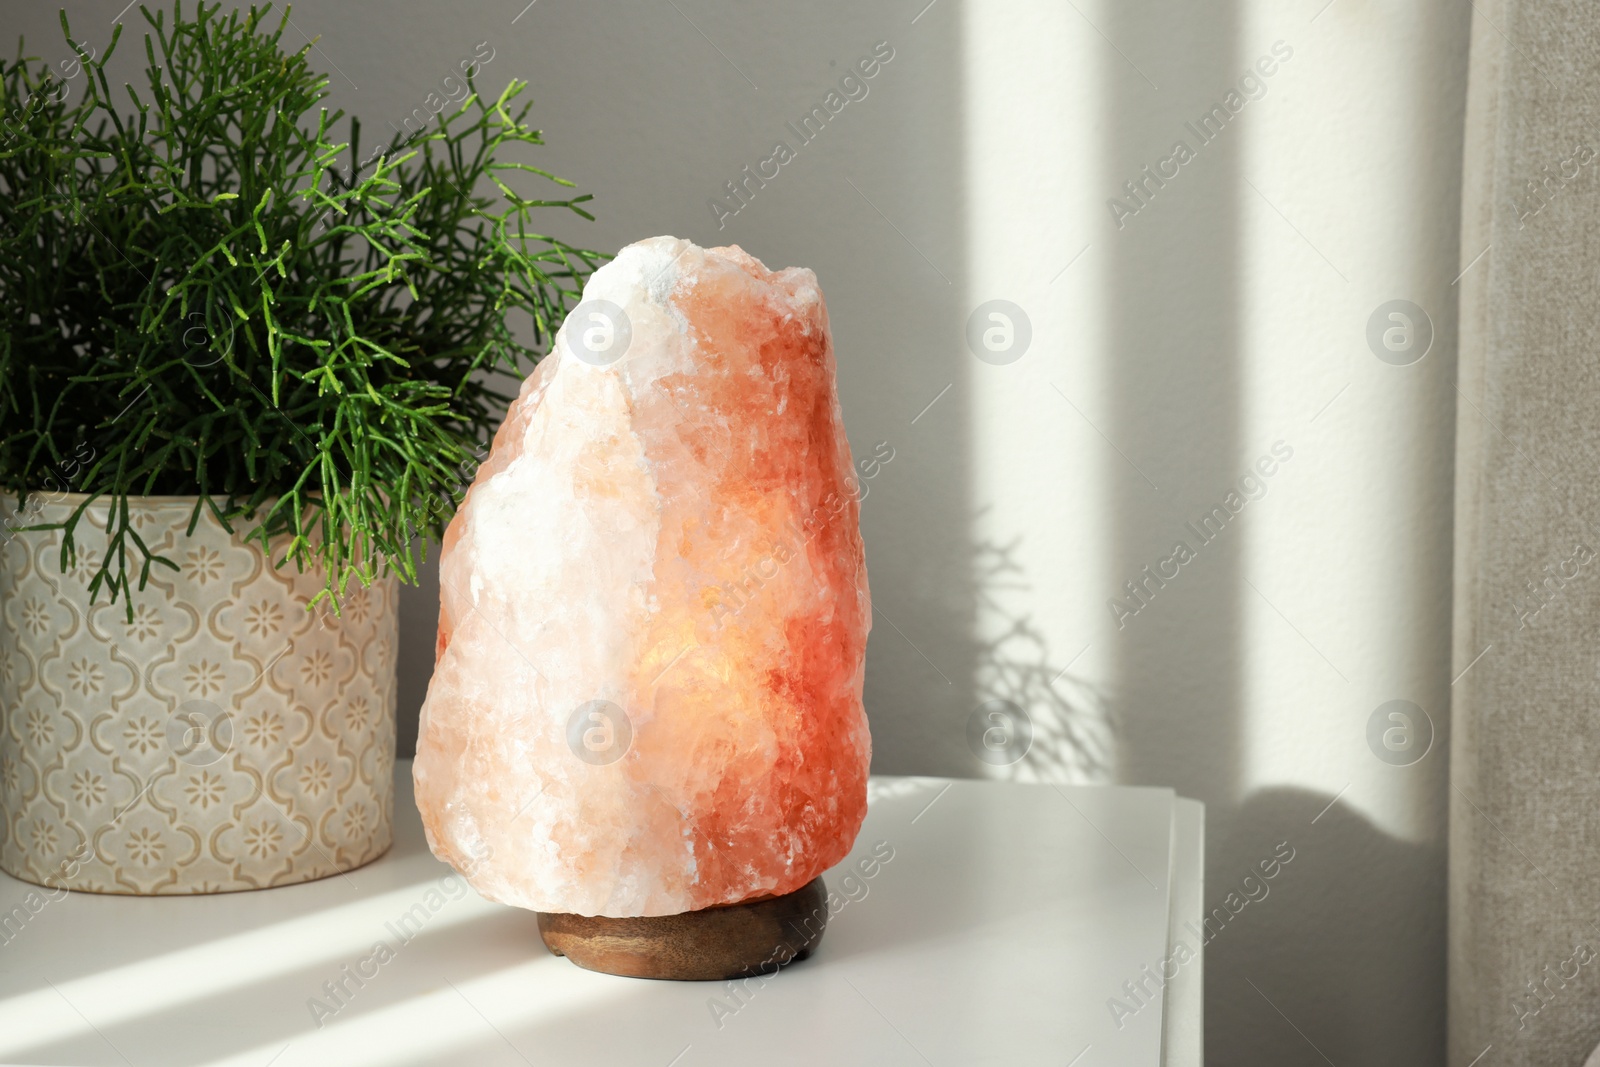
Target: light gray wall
[(1167, 356)]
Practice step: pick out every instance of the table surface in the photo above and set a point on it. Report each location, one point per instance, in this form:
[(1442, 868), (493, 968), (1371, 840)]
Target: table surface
[(1003, 922)]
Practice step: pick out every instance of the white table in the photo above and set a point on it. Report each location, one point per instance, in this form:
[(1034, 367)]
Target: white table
[(1006, 920)]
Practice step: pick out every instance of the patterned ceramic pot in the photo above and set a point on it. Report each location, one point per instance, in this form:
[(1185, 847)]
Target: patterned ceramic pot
[(225, 739)]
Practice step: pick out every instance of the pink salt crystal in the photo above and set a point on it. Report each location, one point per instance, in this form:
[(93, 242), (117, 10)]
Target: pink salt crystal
[(654, 606)]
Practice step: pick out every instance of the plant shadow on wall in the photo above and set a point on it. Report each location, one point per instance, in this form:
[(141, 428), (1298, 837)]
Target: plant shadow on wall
[(1033, 721)]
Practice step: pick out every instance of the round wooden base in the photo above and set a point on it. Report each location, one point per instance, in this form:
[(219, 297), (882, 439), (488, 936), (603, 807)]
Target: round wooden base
[(729, 941)]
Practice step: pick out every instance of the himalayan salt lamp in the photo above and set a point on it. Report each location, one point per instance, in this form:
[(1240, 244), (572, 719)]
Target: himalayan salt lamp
[(645, 719)]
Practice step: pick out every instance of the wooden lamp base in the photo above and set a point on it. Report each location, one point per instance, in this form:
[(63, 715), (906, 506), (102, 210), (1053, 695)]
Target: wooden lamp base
[(755, 936)]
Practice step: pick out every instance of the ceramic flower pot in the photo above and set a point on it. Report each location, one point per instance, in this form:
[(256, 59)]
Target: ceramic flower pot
[(224, 739)]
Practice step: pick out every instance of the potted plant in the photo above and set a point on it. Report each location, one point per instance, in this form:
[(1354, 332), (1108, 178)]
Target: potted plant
[(245, 374)]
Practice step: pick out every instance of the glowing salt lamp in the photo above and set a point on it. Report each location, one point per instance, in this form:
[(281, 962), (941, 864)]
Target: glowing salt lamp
[(645, 722)]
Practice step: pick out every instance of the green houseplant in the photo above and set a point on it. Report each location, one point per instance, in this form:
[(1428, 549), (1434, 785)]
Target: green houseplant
[(245, 370)]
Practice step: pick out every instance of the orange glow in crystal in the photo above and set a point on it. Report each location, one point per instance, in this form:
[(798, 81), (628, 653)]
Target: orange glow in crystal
[(654, 606)]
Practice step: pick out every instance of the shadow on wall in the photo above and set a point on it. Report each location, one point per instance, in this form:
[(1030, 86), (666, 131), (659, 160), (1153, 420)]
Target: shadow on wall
[(1070, 735), (1176, 394), (1330, 956), (898, 325), (419, 632), (1344, 963)]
